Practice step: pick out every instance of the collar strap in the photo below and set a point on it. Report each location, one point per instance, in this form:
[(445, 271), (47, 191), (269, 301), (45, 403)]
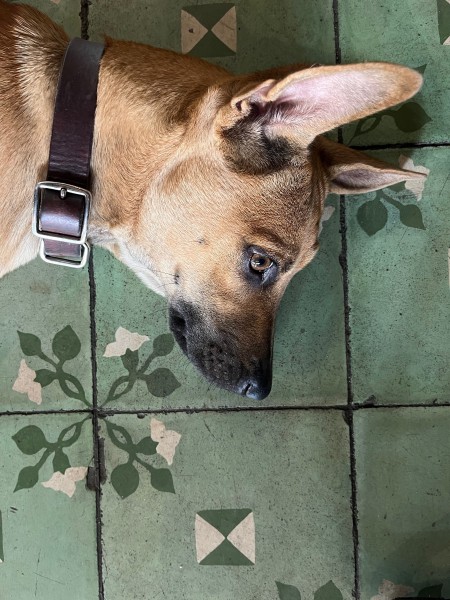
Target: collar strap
[(62, 201)]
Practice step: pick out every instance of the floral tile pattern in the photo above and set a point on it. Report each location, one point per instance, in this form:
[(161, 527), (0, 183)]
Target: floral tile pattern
[(141, 479), (47, 522), (45, 354)]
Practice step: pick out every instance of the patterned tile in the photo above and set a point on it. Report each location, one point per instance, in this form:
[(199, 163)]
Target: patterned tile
[(209, 30), (47, 518), (45, 352), (257, 498), (309, 362), (267, 34), (399, 286), (403, 490), (412, 34)]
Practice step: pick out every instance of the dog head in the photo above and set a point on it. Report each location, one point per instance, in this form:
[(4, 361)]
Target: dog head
[(232, 210)]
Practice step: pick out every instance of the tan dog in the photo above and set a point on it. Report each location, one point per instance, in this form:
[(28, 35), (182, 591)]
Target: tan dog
[(209, 186)]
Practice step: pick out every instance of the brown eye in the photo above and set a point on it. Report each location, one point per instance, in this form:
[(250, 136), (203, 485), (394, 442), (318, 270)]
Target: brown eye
[(260, 262)]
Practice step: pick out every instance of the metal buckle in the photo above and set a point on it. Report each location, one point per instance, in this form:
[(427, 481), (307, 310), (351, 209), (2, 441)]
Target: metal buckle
[(63, 189), (53, 260)]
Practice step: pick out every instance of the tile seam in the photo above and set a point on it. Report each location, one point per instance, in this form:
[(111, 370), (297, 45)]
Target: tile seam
[(399, 145), (84, 18), (99, 468), (221, 409), (348, 357)]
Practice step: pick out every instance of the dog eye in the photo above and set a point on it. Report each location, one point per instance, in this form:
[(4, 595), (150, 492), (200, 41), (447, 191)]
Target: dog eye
[(260, 262)]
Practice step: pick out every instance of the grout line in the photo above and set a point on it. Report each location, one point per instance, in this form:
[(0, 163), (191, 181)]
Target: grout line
[(345, 283), (337, 46), (26, 413), (354, 502), (224, 409), (84, 18), (348, 357), (97, 441), (402, 145), (98, 453)]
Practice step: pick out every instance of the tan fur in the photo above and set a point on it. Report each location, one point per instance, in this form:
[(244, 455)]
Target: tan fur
[(175, 196)]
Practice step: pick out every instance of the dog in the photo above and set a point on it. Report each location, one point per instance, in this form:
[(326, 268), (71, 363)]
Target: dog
[(209, 186)]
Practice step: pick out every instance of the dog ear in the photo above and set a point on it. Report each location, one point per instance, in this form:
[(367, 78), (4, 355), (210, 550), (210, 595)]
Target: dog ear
[(352, 172), (314, 100)]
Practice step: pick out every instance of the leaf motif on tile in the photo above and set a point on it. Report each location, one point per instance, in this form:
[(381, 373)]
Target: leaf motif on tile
[(163, 344), (408, 117), (60, 461), (31, 439), (433, 591), (30, 344), (287, 592), (160, 383), (66, 346), (26, 384), (167, 439), (125, 477), (328, 592), (28, 478), (125, 340), (389, 590), (443, 8), (372, 216), (66, 482), (161, 479)]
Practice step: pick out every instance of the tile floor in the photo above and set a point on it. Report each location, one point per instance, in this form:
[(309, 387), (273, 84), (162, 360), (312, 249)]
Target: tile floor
[(335, 486)]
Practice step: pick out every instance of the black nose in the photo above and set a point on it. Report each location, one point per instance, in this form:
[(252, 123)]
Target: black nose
[(258, 386)]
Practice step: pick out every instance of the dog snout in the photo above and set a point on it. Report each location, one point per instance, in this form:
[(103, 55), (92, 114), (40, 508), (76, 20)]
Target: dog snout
[(219, 354), (178, 326)]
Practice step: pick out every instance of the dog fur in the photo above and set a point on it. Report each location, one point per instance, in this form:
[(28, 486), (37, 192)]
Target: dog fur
[(195, 171)]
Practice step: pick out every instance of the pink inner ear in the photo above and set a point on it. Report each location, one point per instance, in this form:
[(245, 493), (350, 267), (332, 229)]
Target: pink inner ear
[(331, 97), (322, 98)]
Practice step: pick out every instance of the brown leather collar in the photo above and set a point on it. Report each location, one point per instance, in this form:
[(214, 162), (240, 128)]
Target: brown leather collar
[(61, 203)]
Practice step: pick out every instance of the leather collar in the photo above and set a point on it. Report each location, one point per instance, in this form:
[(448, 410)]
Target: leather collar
[(62, 201)]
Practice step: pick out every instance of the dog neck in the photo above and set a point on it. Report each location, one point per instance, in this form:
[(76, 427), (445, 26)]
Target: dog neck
[(147, 115), (141, 121)]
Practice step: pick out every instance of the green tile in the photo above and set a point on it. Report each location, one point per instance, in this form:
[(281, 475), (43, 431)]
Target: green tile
[(48, 537), (268, 34), (309, 361), (64, 13), (402, 458), (51, 305), (399, 288), (407, 33), (257, 498)]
